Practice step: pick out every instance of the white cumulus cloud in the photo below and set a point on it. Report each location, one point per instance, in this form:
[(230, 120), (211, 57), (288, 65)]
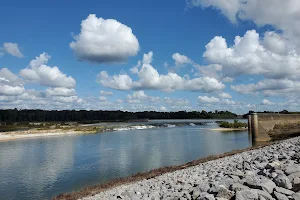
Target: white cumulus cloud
[(225, 95), (104, 41), (39, 72), (12, 49), (149, 78), (283, 15), (10, 84), (248, 55), (106, 93), (181, 59), (267, 102), (60, 91), (206, 99)]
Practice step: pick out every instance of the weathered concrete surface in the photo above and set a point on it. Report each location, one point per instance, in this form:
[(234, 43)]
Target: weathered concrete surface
[(265, 126), (272, 172)]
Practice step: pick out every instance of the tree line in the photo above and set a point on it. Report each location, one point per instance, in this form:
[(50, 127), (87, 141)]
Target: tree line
[(15, 115)]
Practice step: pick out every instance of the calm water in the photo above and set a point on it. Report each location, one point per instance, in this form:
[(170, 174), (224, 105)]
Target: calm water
[(45, 167)]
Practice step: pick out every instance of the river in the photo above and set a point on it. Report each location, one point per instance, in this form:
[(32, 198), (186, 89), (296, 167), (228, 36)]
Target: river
[(44, 167)]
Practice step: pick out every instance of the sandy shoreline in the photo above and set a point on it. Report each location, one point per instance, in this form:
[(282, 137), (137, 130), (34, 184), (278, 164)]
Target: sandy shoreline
[(7, 136)]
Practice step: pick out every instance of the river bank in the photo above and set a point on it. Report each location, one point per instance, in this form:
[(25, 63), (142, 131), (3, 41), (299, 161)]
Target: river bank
[(7, 136), (229, 129), (270, 172), (58, 130)]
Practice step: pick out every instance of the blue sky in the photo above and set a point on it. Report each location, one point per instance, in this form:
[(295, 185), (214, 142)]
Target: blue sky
[(192, 55)]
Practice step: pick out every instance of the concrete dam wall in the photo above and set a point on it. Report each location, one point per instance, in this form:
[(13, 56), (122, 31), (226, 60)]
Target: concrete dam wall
[(267, 126)]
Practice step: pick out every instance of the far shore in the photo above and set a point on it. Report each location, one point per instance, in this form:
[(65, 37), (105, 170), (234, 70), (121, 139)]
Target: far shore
[(229, 129), (7, 136)]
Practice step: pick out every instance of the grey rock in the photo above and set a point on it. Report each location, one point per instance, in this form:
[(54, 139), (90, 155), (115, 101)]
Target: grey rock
[(261, 198), (283, 181), (196, 193), (291, 153), (268, 186), (206, 196), (261, 183), (247, 165), (238, 173), (293, 175), (264, 194), (273, 165), (278, 171), (215, 187), (292, 169), (225, 193), (238, 187), (296, 181), (284, 191), (235, 179), (260, 165), (296, 184), (296, 196), (280, 196), (249, 173), (246, 195)]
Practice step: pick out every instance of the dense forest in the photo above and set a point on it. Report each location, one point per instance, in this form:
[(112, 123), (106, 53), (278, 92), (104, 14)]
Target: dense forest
[(15, 115), (280, 112)]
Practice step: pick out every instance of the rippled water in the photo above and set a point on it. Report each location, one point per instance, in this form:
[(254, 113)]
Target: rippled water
[(42, 168)]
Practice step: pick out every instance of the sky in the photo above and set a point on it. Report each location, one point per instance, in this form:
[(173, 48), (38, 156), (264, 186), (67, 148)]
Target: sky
[(235, 55)]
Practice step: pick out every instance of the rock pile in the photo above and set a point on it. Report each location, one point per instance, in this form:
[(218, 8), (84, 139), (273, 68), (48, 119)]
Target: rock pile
[(272, 172)]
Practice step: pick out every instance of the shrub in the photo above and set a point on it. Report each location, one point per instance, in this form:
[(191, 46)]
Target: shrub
[(235, 124)]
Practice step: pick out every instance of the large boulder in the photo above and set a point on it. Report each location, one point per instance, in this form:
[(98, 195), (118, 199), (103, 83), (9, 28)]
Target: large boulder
[(293, 168), (280, 196), (260, 182), (283, 181), (284, 191)]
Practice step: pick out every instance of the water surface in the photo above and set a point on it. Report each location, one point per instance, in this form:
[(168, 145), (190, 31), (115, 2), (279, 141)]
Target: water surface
[(42, 168)]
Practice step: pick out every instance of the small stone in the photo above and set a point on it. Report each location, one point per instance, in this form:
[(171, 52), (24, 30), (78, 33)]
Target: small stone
[(280, 196), (246, 195), (196, 194), (274, 174), (214, 189), (238, 173), (260, 165), (247, 165), (273, 165), (225, 193)]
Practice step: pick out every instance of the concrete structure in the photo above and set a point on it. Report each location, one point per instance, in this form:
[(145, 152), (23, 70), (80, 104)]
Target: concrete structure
[(264, 126)]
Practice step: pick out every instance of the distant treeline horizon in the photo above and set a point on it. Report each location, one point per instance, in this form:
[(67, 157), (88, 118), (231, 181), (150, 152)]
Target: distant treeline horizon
[(36, 115)]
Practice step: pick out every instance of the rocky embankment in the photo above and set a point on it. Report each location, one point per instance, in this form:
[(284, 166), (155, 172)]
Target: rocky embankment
[(271, 172)]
